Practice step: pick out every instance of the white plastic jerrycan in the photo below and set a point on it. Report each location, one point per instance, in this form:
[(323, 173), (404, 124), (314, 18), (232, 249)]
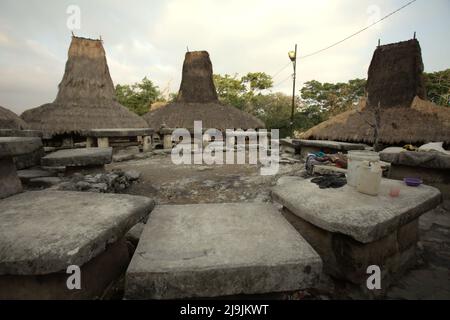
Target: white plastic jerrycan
[(369, 178)]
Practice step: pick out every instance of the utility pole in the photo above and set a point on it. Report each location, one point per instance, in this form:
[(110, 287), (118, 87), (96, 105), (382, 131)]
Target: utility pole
[(293, 57)]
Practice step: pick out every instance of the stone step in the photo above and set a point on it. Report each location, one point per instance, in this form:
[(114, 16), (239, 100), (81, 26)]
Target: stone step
[(210, 250)]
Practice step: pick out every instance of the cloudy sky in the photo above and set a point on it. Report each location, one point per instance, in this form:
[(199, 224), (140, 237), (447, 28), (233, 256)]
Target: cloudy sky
[(149, 38)]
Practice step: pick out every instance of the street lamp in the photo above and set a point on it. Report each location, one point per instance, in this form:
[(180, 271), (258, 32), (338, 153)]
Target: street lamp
[(293, 57)]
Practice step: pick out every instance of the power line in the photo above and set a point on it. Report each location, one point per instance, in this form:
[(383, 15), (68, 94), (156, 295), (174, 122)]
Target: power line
[(348, 37), (279, 71), (282, 81), (358, 32)]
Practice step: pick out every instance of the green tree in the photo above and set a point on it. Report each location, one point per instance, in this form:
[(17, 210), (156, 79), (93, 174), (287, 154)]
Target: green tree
[(438, 87), (332, 98), (139, 96)]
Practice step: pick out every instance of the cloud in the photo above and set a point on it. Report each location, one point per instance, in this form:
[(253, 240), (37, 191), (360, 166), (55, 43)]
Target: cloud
[(149, 38)]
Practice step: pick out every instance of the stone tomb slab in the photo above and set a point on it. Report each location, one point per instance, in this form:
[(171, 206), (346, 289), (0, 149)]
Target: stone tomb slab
[(46, 231), (363, 217), (16, 146), (78, 157), (352, 231), (209, 250)]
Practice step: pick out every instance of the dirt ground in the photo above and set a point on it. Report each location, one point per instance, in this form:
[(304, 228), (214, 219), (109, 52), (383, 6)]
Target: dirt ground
[(181, 184)]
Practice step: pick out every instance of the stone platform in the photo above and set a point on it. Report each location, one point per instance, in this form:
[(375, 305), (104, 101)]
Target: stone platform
[(352, 231), (43, 232), (432, 167), (80, 158), (10, 148), (209, 250)]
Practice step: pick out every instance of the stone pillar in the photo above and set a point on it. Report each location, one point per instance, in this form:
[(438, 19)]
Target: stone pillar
[(89, 142), (147, 143), (167, 143), (103, 142)]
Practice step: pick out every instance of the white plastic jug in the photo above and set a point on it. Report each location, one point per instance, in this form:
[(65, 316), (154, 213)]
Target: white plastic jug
[(369, 178), (354, 159)]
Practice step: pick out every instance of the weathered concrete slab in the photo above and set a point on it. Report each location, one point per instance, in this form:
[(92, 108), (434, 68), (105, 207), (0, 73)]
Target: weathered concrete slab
[(362, 217), (337, 145), (43, 232), (97, 275), (122, 132), (27, 174), (430, 159), (15, 146), (78, 157), (9, 182), (208, 250)]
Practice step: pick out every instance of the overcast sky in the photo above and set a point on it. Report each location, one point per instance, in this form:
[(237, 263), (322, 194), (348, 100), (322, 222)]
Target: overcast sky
[(149, 38)]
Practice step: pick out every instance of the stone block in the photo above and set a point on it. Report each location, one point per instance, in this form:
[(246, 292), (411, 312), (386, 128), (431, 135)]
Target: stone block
[(210, 250)]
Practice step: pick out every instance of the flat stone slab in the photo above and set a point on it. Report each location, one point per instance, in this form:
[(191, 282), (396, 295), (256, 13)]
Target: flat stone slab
[(15, 146), (363, 217), (27, 174), (78, 157), (46, 231), (20, 133), (122, 132), (344, 146), (208, 250), (429, 159)]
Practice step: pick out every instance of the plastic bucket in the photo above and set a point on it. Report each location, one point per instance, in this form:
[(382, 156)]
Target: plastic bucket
[(355, 159)]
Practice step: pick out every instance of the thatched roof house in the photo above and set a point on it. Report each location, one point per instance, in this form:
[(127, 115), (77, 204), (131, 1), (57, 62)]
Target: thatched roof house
[(395, 82), (197, 100), (9, 120), (86, 98)]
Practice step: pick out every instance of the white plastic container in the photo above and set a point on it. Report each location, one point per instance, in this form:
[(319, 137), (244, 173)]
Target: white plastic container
[(354, 160), (369, 178)]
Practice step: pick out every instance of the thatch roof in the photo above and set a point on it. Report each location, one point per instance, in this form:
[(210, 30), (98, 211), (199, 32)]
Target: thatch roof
[(421, 122), (395, 82), (9, 120), (197, 100), (86, 98), (395, 75)]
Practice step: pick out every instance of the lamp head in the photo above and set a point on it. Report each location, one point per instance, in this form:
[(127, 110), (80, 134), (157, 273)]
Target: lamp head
[(292, 55)]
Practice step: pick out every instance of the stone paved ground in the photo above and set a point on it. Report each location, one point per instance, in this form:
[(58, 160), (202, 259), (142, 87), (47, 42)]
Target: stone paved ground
[(168, 183)]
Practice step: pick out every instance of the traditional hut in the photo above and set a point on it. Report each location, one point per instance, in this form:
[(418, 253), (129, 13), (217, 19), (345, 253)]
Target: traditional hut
[(197, 100), (10, 121), (396, 95), (86, 101)]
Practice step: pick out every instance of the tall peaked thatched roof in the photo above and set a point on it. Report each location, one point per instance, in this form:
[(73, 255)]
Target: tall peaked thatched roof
[(197, 100), (9, 120), (395, 75), (395, 82), (86, 98)]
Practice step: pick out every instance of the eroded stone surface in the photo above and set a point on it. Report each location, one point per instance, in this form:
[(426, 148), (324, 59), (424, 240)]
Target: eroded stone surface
[(9, 182), (344, 210), (45, 231), (209, 250), (78, 157), (15, 146)]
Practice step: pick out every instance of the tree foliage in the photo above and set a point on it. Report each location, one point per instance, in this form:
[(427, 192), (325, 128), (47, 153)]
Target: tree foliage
[(438, 87), (138, 97)]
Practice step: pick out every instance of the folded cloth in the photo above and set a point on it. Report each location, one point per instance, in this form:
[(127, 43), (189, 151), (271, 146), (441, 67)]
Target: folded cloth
[(329, 181)]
